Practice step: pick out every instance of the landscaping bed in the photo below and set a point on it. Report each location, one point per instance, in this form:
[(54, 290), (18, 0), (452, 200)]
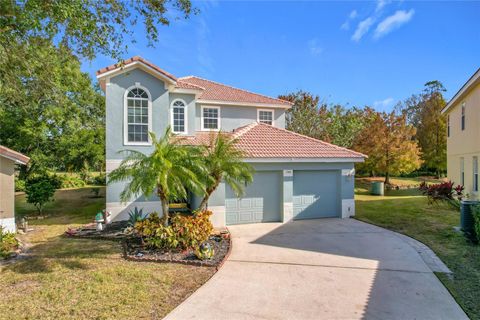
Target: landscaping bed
[(221, 244)]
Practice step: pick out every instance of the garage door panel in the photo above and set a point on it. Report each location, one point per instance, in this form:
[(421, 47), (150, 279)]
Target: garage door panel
[(316, 194), (260, 203)]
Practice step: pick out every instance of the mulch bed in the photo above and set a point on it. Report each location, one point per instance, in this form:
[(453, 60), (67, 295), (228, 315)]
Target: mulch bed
[(133, 250)]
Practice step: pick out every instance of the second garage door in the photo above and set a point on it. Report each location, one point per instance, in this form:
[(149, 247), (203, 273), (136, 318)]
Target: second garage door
[(315, 194), (260, 203)]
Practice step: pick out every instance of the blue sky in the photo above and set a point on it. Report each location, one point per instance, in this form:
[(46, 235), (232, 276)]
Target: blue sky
[(357, 53)]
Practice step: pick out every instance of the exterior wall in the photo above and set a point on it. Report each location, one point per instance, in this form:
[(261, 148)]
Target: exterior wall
[(464, 143), (233, 117), (7, 194)]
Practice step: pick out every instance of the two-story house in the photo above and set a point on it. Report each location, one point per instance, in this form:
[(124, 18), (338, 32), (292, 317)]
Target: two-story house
[(463, 135), (296, 177)]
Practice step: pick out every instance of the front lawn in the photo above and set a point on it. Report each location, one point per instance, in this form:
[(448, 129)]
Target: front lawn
[(407, 212), (87, 279)]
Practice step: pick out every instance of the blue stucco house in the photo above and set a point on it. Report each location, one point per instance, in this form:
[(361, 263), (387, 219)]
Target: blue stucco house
[(296, 177)]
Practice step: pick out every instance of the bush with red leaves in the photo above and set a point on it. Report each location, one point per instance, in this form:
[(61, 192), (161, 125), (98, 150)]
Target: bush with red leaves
[(445, 191)]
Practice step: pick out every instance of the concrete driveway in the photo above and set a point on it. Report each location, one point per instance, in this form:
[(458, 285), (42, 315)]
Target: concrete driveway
[(323, 269)]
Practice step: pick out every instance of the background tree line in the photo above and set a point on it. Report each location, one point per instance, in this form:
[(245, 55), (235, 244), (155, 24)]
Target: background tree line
[(411, 137)]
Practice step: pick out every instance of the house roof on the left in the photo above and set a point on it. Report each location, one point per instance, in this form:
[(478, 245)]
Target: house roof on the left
[(13, 155), (208, 91)]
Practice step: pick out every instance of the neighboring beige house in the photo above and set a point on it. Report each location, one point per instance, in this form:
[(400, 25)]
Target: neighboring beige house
[(463, 131), (8, 160)]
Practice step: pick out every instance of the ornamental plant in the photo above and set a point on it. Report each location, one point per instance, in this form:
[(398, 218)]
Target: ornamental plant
[(445, 191), (8, 243)]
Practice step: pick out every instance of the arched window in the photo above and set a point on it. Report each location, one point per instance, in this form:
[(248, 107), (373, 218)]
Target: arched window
[(179, 117), (138, 117)]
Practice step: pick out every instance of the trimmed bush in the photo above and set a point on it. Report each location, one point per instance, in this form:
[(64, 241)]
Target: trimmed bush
[(183, 232)]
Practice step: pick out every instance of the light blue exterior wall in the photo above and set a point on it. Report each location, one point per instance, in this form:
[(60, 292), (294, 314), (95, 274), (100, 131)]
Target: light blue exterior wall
[(233, 117)]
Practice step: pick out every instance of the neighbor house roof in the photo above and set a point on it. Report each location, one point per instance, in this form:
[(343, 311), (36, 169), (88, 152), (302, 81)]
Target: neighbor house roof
[(209, 91), (464, 90), (13, 155), (263, 141)]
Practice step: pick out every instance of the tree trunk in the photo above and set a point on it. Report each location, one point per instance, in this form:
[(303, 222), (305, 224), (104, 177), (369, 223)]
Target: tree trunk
[(164, 201), (208, 193), (387, 178)]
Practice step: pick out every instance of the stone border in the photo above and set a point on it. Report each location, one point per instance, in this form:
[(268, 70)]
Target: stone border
[(197, 263)]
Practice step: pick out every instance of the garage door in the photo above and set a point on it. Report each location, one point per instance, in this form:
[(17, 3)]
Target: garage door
[(260, 203), (315, 194)]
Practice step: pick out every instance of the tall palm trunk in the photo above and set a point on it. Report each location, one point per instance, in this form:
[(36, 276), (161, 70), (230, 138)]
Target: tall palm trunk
[(208, 193), (165, 206)]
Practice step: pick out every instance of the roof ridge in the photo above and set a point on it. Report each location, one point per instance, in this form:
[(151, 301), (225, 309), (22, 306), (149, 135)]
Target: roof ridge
[(190, 84), (314, 139), (232, 87), (240, 131)]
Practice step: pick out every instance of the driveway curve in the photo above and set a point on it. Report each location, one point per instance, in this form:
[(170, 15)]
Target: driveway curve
[(322, 269)]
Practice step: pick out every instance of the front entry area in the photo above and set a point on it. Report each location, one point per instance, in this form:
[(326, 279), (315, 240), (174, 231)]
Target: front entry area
[(261, 202)]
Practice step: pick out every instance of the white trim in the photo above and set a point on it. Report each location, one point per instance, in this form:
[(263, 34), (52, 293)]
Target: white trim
[(287, 212), (202, 128), (266, 110), (348, 208), (196, 92), (13, 159), (280, 160), (8, 224), (246, 104), (185, 114), (125, 117), (140, 65), (466, 87)]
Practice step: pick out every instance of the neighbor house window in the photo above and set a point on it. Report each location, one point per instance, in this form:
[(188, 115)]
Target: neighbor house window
[(475, 174), (265, 116), (179, 119), (210, 118), (462, 171), (463, 116), (448, 125), (138, 119)]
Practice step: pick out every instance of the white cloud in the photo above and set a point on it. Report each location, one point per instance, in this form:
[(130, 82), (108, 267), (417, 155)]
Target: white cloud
[(351, 16), (362, 28), (314, 47), (393, 22), (381, 4), (383, 104)]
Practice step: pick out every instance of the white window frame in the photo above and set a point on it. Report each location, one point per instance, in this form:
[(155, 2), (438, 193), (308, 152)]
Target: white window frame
[(462, 171), (475, 173), (266, 110), (185, 113), (125, 117), (202, 119)]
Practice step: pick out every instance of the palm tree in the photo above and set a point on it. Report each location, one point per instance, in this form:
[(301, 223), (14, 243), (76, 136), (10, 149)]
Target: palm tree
[(225, 162), (172, 169)]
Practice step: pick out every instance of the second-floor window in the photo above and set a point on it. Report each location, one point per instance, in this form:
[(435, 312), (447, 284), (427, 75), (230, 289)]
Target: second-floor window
[(265, 116), (463, 116), (448, 125), (210, 118), (179, 117), (137, 116)]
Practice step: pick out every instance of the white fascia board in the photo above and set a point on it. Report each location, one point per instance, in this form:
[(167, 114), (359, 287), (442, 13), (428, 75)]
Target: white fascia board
[(246, 104), (290, 160), (475, 79), (14, 160), (133, 65)]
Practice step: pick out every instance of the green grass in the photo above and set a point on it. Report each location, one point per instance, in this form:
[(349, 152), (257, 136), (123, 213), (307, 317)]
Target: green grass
[(87, 279), (407, 212)]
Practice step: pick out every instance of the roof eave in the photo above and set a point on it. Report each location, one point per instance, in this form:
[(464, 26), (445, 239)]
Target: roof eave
[(298, 159), (246, 104), (472, 81), (132, 65)]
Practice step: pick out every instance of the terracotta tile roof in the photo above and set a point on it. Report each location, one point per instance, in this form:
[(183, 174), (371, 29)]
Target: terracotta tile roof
[(133, 59), (222, 92), (13, 155), (260, 140), (211, 90)]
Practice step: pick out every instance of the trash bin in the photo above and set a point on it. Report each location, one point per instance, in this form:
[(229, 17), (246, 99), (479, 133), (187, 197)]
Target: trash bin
[(378, 188), (467, 222)]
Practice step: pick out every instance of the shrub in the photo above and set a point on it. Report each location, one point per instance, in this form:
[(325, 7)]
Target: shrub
[(99, 180), (476, 227), (39, 191), (135, 216), (8, 243), (71, 181), (184, 232), (444, 191)]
